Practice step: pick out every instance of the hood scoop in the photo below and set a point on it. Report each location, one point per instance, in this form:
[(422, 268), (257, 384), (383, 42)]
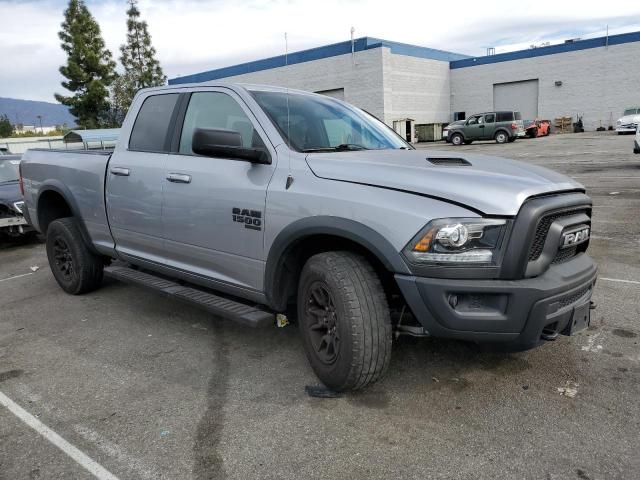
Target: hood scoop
[(449, 161)]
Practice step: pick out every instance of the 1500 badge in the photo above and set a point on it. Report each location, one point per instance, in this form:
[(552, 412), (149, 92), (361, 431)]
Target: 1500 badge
[(251, 219)]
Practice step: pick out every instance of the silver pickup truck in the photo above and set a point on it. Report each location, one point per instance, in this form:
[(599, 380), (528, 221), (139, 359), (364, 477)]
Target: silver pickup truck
[(257, 202)]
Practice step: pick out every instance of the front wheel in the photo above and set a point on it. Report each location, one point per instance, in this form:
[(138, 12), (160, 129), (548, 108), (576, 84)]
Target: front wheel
[(344, 320), (76, 269), (457, 139), (501, 137)]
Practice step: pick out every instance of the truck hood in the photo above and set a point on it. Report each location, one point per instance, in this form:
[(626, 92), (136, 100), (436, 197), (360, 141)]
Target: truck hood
[(489, 185)]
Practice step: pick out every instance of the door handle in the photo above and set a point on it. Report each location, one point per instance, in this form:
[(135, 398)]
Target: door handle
[(120, 171), (179, 178)]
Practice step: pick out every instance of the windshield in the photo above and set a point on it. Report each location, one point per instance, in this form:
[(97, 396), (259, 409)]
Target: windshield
[(630, 111), (315, 123), (9, 170)]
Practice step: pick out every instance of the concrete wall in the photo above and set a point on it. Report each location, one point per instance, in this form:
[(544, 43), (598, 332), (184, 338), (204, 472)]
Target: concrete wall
[(597, 83), (415, 88), (362, 82)]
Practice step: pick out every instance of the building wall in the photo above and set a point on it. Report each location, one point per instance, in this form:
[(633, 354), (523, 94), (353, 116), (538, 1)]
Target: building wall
[(416, 88), (362, 82), (597, 83)]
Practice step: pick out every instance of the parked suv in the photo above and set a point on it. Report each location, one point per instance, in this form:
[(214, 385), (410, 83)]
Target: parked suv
[(502, 127)]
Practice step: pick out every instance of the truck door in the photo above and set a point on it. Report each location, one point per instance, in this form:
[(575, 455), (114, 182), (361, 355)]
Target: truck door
[(489, 125), (474, 129), (135, 178), (214, 208)]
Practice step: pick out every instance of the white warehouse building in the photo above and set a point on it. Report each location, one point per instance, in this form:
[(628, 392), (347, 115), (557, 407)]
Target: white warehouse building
[(407, 85)]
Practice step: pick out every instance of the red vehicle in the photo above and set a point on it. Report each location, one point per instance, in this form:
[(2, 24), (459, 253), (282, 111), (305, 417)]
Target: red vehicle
[(537, 128)]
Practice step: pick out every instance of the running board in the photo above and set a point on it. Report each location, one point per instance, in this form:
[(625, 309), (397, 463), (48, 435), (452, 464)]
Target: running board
[(236, 311)]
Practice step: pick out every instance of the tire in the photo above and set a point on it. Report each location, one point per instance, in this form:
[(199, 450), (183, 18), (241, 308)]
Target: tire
[(457, 139), (344, 320), (76, 269), (501, 137)]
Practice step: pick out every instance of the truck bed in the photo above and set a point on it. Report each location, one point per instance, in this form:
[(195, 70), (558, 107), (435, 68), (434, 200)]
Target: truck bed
[(80, 175)]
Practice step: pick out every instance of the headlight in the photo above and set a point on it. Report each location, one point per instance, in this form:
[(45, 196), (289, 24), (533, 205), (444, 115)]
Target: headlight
[(457, 240), (18, 206)]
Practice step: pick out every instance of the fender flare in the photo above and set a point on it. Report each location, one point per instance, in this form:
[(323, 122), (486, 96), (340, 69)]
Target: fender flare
[(351, 230), (62, 190), (502, 129)]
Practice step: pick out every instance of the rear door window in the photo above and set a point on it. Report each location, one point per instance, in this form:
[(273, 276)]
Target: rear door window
[(149, 133), (490, 118)]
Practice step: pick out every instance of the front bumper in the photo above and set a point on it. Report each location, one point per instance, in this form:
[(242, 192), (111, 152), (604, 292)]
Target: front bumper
[(626, 129), (14, 226), (519, 313)]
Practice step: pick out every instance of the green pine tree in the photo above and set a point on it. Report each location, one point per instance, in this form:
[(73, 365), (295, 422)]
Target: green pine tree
[(138, 58), (89, 70), (6, 129)]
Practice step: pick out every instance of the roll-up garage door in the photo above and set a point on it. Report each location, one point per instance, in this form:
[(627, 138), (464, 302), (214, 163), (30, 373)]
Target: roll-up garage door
[(517, 96)]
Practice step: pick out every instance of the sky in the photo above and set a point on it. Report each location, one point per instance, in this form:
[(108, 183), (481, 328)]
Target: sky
[(197, 35)]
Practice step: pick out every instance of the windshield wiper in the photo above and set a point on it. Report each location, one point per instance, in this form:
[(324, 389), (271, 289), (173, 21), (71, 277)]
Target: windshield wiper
[(343, 147)]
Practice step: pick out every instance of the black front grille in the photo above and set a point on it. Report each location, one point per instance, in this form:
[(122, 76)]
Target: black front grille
[(543, 229), (565, 254), (573, 297)]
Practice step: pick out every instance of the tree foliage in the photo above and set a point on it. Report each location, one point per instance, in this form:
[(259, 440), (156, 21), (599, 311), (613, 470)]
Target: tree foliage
[(6, 129), (138, 58), (89, 70)]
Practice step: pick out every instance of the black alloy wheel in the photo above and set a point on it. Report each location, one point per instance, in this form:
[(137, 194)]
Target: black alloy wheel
[(322, 321)]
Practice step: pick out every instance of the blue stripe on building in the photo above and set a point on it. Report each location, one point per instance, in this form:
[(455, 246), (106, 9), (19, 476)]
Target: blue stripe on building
[(455, 60), (550, 50), (342, 48)]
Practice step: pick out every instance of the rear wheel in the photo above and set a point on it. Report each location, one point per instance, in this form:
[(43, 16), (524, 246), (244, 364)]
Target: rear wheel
[(344, 320), (457, 139), (76, 269), (501, 137)]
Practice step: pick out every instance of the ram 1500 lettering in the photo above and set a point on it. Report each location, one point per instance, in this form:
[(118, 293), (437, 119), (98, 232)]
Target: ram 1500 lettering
[(251, 201)]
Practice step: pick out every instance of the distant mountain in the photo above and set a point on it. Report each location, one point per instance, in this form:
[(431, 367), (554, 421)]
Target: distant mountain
[(27, 111)]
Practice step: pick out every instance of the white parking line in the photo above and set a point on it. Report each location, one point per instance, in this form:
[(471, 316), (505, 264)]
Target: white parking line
[(620, 280), (81, 459), (17, 276)]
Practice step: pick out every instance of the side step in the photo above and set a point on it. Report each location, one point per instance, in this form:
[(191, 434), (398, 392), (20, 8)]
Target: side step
[(236, 311)]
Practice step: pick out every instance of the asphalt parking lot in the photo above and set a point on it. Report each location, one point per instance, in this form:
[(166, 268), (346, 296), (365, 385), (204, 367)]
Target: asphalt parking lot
[(149, 388)]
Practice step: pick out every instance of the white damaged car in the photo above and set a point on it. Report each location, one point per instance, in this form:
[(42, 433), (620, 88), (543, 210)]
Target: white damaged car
[(629, 121)]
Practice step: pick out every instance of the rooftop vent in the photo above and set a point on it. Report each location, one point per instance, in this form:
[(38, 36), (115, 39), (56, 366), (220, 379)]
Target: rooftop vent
[(449, 161)]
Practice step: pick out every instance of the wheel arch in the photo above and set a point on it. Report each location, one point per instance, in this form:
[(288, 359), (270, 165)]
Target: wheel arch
[(55, 201), (304, 238)]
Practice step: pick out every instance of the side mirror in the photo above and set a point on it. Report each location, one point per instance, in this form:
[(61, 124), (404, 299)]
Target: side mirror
[(216, 143)]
